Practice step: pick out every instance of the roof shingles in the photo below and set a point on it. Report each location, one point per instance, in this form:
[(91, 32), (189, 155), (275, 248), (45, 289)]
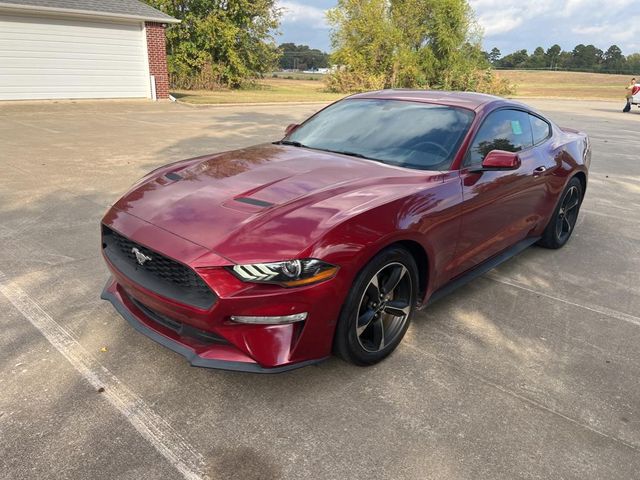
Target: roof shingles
[(121, 8)]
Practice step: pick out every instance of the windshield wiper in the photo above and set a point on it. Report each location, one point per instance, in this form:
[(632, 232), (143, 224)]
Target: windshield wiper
[(352, 154), (289, 142), (341, 152), (355, 154)]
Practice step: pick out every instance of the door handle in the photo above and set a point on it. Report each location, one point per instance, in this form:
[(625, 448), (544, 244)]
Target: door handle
[(539, 170)]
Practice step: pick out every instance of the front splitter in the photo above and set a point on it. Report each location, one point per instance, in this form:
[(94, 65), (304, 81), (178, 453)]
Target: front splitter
[(192, 357)]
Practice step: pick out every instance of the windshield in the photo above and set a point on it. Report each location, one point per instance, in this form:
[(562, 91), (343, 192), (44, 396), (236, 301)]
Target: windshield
[(408, 134)]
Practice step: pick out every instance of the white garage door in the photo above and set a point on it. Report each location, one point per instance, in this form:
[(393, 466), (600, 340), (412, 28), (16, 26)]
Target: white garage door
[(67, 58)]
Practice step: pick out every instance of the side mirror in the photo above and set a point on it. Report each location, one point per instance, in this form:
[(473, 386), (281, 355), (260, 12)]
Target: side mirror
[(500, 160), (290, 129)]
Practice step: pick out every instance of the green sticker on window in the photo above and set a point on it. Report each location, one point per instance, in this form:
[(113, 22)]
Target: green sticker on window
[(515, 127)]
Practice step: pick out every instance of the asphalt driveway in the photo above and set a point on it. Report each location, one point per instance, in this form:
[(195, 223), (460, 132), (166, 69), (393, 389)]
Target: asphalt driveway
[(529, 372)]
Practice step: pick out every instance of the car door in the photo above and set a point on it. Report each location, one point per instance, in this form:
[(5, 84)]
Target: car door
[(499, 207)]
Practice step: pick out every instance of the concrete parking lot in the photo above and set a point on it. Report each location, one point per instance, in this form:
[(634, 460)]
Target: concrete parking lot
[(528, 372)]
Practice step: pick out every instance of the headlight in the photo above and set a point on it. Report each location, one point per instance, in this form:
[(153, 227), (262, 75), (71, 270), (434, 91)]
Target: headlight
[(290, 273)]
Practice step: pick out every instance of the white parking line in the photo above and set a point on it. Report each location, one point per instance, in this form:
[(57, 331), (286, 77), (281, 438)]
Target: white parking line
[(147, 422), (38, 127)]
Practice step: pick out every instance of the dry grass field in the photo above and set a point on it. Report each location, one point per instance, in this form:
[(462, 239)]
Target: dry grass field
[(268, 90), (567, 84), (540, 84)]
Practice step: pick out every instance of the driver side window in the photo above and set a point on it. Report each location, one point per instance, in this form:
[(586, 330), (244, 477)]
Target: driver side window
[(508, 130)]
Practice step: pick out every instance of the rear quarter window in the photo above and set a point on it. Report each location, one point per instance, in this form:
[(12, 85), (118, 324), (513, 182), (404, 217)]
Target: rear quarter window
[(540, 128)]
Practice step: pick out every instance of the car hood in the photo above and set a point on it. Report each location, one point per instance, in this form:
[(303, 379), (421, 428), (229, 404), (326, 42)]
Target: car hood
[(268, 202)]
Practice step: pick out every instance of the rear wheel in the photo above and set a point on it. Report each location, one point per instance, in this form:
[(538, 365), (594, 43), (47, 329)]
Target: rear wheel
[(378, 309), (564, 218)]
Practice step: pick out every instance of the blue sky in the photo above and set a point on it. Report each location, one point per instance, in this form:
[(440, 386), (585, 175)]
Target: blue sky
[(508, 24)]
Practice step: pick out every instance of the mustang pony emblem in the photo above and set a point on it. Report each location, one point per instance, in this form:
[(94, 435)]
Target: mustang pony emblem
[(141, 258)]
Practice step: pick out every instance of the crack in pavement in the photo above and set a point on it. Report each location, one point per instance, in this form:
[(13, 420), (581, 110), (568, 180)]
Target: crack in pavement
[(507, 391), (609, 312)]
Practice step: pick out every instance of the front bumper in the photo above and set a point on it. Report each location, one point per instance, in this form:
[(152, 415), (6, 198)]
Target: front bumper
[(222, 356), (206, 334)]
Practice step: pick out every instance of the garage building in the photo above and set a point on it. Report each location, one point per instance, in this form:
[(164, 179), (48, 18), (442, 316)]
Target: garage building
[(55, 49)]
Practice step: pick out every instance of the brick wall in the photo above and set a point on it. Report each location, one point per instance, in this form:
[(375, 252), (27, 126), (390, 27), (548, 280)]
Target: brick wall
[(157, 51)]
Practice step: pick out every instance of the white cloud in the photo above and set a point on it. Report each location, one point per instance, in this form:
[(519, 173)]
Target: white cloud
[(499, 22), (588, 30), (514, 24), (526, 9), (594, 7), (293, 12), (502, 16), (623, 35), (509, 25)]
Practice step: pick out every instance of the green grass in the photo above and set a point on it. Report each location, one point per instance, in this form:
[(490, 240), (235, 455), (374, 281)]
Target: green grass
[(298, 76)]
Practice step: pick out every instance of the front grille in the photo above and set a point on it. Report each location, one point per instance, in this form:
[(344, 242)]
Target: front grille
[(159, 266), (158, 273), (180, 328)]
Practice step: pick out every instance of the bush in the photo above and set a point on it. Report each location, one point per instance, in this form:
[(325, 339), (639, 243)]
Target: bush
[(346, 81), (485, 81), (208, 77), (430, 44), (478, 80)]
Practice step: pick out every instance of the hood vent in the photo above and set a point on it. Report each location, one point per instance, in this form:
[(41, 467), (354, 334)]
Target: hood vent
[(254, 202)]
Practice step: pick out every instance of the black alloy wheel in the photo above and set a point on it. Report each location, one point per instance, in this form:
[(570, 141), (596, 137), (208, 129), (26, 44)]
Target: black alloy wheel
[(378, 309), (384, 307), (565, 217), (568, 214)]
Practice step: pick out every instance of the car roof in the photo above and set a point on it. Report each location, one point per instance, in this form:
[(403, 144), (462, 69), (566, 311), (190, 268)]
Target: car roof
[(469, 100)]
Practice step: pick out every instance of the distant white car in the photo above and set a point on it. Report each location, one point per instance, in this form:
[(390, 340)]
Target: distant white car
[(635, 99)]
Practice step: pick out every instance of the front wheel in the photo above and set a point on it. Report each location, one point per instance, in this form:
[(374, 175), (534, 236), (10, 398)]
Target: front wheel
[(378, 309), (564, 218)]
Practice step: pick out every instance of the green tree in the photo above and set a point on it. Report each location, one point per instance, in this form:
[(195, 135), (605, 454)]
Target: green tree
[(537, 59), (613, 60), (586, 57), (494, 56), (407, 43), (633, 63), (552, 55), (516, 59), (364, 43), (301, 57), (564, 60), (220, 42)]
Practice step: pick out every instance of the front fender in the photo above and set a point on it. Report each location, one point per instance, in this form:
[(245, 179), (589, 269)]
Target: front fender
[(430, 219)]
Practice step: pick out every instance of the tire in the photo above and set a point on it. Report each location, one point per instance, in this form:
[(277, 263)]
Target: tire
[(370, 329), (563, 221)]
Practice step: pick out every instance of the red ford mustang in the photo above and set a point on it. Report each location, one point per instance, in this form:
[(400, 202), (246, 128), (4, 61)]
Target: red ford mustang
[(271, 257)]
